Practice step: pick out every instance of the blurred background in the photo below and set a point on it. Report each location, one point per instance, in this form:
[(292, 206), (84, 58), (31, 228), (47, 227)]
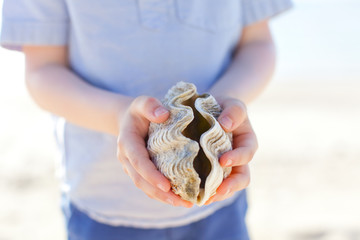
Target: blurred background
[(306, 174)]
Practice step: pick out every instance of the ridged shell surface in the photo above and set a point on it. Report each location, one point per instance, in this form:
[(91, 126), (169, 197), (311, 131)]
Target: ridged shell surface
[(186, 148)]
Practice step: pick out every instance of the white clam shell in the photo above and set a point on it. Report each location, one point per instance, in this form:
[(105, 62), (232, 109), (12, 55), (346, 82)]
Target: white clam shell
[(186, 148)]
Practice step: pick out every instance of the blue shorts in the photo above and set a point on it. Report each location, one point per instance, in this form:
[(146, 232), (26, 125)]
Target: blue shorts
[(227, 223)]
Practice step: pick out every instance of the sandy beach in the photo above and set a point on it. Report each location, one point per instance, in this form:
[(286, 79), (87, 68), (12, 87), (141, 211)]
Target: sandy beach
[(305, 175)]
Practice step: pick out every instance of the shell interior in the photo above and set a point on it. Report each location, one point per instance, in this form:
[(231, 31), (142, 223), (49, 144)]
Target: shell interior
[(194, 130)]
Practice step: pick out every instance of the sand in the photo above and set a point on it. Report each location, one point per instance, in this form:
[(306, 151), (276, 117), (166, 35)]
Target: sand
[(305, 182)]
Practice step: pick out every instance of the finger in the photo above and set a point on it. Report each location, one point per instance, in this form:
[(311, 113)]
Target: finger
[(238, 179), (121, 158), (132, 147), (233, 114), (217, 198), (136, 153), (153, 192), (245, 147), (150, 108)]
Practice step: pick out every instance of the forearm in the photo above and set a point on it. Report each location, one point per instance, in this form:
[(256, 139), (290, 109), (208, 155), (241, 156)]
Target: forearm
[(57, 89), (250, 71)]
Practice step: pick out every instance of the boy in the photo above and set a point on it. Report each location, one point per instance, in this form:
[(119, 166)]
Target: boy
[(95, 65)]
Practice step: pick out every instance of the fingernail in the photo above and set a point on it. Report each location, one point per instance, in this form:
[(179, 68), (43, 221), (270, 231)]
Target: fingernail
[(170, 201), (212, 200), (226, 122), (160, 111), (162, 187), (189, 206), (227, 192), (228, 163)]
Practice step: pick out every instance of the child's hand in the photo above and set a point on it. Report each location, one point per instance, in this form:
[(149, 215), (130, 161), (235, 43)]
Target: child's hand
[(132, 151), (234, 119)]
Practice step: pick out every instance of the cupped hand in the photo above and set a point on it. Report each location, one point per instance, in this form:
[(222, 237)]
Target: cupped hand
[(132, 151), (234, 119)]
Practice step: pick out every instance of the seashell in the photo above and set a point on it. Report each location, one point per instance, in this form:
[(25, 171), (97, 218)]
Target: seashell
[(186, 148)]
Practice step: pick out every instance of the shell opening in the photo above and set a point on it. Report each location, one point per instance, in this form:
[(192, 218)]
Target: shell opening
[(194, 130)]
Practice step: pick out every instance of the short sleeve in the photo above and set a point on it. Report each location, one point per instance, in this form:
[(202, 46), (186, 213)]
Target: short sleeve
[(34, 22), (257, 10)]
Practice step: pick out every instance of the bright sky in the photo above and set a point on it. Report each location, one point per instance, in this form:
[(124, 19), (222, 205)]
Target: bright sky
[(320, 37)]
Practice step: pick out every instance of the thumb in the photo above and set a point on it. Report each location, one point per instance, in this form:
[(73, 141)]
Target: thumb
[(151, 109)]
